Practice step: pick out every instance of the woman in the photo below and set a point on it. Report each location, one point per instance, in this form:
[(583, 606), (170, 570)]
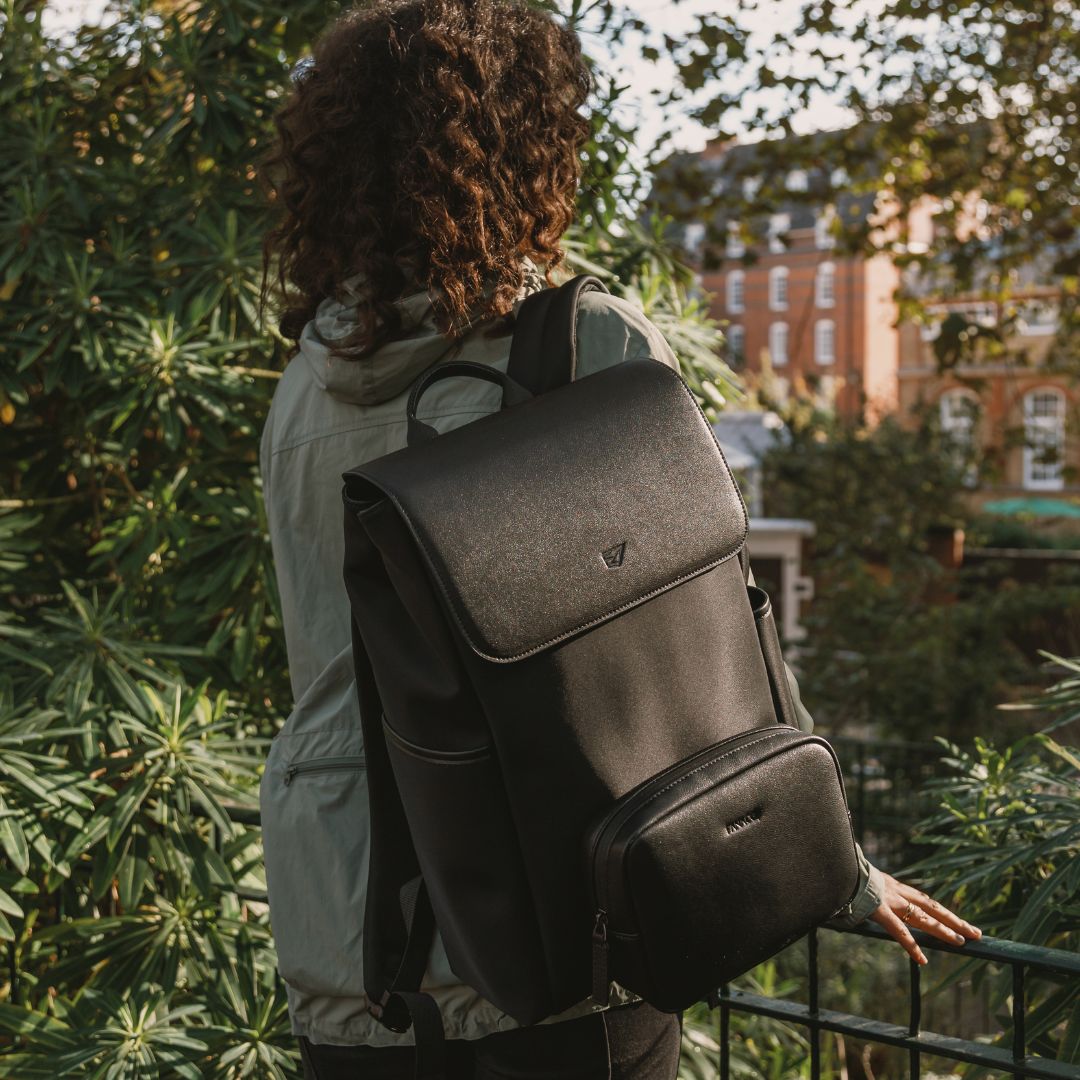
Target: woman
[(426, 169)]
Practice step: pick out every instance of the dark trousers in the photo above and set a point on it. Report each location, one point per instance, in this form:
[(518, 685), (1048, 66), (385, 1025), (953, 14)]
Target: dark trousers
[(631, 1042)]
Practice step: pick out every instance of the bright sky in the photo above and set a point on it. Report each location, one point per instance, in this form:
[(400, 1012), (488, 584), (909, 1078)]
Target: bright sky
[(641, 76), (680, 18)]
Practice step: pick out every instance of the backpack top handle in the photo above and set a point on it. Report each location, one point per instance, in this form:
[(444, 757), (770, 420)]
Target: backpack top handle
[(418, 431), (543, 354)]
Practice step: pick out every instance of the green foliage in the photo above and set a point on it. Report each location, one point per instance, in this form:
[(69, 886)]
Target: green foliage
[(897, 640), (140, 631), (760, 1048), (993, 531), (1007, 840), (1008, 831), (949, 104)]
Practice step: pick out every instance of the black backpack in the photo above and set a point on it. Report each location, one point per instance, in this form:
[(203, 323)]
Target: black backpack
[(583, 757)]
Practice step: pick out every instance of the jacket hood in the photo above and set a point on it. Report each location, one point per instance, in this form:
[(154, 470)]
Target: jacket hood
[(392, 368)]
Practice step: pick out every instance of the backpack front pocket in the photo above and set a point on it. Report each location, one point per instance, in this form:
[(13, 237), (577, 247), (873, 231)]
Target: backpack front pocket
[(314, 804)]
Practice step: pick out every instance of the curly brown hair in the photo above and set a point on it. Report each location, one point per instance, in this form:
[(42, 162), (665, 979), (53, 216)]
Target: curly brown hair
[(432, 144)]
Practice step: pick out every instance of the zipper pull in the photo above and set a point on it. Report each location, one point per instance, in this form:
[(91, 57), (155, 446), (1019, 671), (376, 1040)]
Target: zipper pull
[(601, 987), (290, 772)]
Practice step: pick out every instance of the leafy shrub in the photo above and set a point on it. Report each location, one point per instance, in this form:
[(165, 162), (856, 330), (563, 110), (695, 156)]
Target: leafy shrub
[(143, 663), (897, 642), (1007, 842)]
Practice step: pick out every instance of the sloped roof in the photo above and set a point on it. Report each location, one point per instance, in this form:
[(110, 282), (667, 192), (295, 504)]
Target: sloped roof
[(746, 436)]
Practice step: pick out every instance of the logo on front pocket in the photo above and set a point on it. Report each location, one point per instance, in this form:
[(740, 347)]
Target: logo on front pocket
[(613, 557)]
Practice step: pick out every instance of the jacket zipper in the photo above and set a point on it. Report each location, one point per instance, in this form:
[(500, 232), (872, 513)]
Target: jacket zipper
[(324, 764), (600, 946)]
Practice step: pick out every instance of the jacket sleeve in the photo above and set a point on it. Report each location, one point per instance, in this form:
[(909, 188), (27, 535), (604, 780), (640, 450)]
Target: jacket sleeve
[(871, 886)]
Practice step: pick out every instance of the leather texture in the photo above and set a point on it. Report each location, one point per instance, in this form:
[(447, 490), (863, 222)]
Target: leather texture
[(588, 499), (783, 702), (550, 608), (418, 431), (692, 872)]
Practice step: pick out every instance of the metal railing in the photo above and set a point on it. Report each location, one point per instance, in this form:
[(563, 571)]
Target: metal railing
[(1013, 1060)]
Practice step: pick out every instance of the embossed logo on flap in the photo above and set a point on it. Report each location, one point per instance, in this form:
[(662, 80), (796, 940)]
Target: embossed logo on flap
[(743, 822), (613, 557)]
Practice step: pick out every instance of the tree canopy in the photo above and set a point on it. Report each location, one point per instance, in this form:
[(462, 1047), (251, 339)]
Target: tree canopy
[(969, 108)]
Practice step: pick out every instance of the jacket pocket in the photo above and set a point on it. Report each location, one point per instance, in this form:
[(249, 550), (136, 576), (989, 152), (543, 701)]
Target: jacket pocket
[(314, 804)]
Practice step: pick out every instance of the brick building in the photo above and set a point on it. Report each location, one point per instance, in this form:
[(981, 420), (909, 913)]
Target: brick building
[(799, 315), (794, 308), (1019, 411)]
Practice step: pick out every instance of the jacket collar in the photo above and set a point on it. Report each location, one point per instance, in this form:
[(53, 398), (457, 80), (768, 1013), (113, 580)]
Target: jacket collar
[(392, 368)]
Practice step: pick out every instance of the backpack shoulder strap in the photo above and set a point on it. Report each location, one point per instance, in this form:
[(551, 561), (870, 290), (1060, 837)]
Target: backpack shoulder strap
[(543, 354)]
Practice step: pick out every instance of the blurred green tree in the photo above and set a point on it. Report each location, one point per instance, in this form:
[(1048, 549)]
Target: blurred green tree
[(971, 108), (901, 644), (143, 667)]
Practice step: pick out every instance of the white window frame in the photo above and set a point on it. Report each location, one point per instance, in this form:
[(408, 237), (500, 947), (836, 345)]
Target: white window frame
[(735, 248), (1038, 319), (778, 343), (736, 343), (1041, 431), (826, 272), (961, 424), (693, 238), (735, 291), (823, 238), (778, 288), (825, 332), (779, 226)]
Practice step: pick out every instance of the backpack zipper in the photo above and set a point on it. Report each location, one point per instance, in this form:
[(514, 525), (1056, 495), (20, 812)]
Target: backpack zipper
[(609, 830), (601, 984), (324, 764)]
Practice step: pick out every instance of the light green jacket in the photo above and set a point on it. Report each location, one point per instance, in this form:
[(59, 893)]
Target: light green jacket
[(328, 416)]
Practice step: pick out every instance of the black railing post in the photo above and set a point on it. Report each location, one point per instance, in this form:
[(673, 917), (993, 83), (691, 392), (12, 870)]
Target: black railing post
[(1019, 1049), (725, 1033), (915, 1019), (815, 1029)]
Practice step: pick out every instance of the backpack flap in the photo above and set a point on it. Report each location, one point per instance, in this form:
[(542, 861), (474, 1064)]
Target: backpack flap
[(616, 491)]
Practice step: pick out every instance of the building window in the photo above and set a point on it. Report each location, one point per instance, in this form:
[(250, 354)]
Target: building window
[(778, 281), (959, 412), (797, 180), (778, 335), (736, 290), (693, 238), (735, 249), (736, 345), (1044, 440), (825, 341), (1038, 319), (825, 285), (823, 235), (779, 224)]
